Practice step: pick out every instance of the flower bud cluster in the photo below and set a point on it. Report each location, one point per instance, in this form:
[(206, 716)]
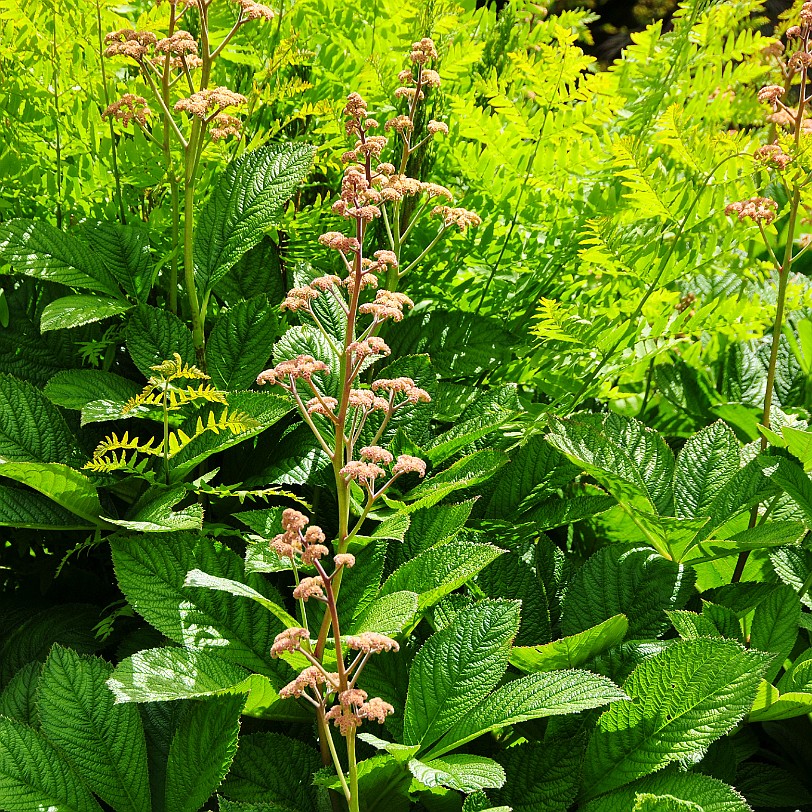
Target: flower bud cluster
[(128, 108), (758, 209)]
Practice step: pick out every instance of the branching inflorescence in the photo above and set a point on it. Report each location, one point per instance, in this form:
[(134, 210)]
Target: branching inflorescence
[(351, 424)]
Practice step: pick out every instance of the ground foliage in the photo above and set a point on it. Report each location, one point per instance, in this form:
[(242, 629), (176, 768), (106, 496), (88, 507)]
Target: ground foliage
[(587, 581)]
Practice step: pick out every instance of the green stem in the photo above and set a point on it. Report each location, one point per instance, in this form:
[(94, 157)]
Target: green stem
[(353, 799)]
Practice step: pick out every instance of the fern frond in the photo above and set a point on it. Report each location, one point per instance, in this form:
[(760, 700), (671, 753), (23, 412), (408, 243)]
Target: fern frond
[(175, 368)]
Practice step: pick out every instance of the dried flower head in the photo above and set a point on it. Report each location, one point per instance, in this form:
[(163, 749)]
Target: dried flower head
[(363, 472), (311, 677), (129, 108), (255, 11), (206, 103), (462, 218), (371, 643), (344, 560), (374, 453), (376, 710), (430, 78), (223, 125), (388, 304), (435, 127), (129, 43), (772, 154), (288, 640), (409, 465), (770, 94), (323, 406), (423, 51), (181, 43), (309, 588), (758, 209), (399, 124), (299, 299)]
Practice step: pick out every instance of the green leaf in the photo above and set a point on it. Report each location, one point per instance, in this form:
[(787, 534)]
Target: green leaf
[(247, 200), (556, 512), (153, 512), (683, 699), (153, 335), (201, 752), (70, 489), (541, 776), (532, 697), (24, 508), (256, 272), (456, 668), (42, 251), (124, 251), (633, 581), (224, 805), (307, 340), (478, 802), (74, 311), (770, 705), (31, 427), (465, 473), (383, 784), (788, 475), (389, 614), (103, 741), (75, 388), (287, 783), (430, 526), (440, 570), (461, 772), (240, 343), (794, 567), (692, 792), (775, 626), (151, 575), (69, 624), (206, 581), (34, 775), (760, 537), (707, 462), (569, 652), (18, 700)]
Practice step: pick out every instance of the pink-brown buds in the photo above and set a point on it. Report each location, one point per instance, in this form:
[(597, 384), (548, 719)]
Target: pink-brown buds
[(371, 643), (436, 190), (794, 32), (758, 209), (344, 560), (370, 346), (294, 520), (387, 305), (130, 43), (288, 640), (314, 535), (374, 453), (352, 697), (435, 127), (181, 43), (309, 588), (363, 472), (430, 78), (339, 242), (409, 465), (376, 710), (323, 406), (403, 386), (770, 94), (327, 282), (224, 125), (129, 108), (423, 51), (356, 107), (365, 399), (311, 677), (344, 719), (208, 102), (255, 11), (772, 154), (399, 124), (462, 218), (313, 552), (299, 299), (386, 258), (303, 366)]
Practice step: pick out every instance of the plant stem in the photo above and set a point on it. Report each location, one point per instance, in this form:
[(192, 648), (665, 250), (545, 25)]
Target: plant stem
[(353, 799)]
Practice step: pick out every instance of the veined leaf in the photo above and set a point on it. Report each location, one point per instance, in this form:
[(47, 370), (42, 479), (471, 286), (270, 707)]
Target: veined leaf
[(633, 581), (152, 576), (691, 792), (40, 250), (289, 783), (775, 626), (34, 775), (153, 512), (440, 570), (24, 508), (239, 344), (456, 668), (154, 335), (18, 699), (461, 771), (70, 489), (74, 311), (201, 753), (388, 614), (707, 462), (104, 742), (569, 652), (683, 699), (532, 697), (75, 388), (31, 427), (247, 200), (771, 705)]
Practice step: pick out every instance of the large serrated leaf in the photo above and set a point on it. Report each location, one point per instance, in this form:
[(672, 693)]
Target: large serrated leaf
[(440, 570), (152, 576), (683, 699), (256, 272), (31, 427), (154, 335), (103, 741), (633, 581), (201, 753), (240, 343), (706, 463), (532, 697), (40, 250), (247, 200), (691, 791), (462, 772), (18, 699), (775, 626), (24, 508), (456, 668), (288, 784), (74, 311), (35, 776), (75, 388)]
